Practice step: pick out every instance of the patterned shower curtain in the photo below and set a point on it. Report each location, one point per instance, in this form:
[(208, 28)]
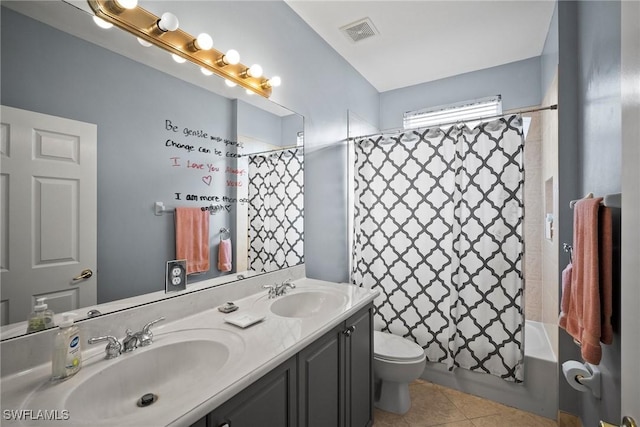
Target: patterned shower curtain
[(438, 231), (276, 210)]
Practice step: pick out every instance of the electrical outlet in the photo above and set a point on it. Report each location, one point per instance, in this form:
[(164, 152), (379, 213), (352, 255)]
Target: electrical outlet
[(176, 275)]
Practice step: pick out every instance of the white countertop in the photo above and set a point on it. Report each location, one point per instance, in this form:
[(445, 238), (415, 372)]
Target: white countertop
[(256, 350)]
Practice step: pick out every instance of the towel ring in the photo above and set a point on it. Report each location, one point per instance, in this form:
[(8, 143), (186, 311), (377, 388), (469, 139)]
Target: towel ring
[(224, 231), (568, 249)]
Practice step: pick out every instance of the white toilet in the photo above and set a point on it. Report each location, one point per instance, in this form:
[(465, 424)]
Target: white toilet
[(396, 362)]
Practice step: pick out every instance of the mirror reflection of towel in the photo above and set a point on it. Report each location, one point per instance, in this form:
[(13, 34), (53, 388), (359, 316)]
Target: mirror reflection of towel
[(192, 238), (224, 255)]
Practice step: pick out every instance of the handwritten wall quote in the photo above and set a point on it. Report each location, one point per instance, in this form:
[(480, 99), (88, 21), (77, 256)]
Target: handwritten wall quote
[(208, 157)]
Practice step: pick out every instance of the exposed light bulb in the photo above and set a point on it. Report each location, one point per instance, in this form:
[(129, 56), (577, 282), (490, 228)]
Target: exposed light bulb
[(203, 41), (249, 91), (255, 71), (230, 83), (206, 72), (127, 4), (275, 81), (143, 42), (178, 59), (168, 22), (102, 23), (232, 57)]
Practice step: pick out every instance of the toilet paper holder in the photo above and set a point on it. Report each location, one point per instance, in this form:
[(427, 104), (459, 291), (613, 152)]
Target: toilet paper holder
[(593, 381), (583, 377)]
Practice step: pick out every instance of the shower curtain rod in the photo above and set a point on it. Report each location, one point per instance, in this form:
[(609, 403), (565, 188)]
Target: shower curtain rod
[(291, 147), (398, 130)]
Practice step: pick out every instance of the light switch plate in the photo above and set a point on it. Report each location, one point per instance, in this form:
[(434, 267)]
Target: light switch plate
[(176, 275)]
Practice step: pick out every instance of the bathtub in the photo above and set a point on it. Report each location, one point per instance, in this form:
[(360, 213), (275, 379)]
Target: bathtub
[(539, 392)]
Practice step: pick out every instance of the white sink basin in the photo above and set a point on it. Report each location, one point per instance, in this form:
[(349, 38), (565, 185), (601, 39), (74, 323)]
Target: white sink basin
[(307, 303), (175, 368)]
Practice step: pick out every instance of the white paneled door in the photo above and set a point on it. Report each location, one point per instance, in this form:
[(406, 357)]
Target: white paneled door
[(48, 199)]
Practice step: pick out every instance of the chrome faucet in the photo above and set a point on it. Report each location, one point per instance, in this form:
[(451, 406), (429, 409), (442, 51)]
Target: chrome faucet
[(130, 342), (145, 336), (113, 348), (277, 290), (272, 290), (286, 284)]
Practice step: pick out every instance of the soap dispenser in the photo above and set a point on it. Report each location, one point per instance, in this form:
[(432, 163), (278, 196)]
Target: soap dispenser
[(67, 349), (41, 318)]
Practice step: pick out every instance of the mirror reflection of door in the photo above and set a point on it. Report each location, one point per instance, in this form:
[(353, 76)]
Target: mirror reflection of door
[(48, 228)]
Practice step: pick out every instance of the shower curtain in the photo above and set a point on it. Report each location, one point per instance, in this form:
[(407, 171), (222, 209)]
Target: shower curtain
[(438, 222), (276, 210)]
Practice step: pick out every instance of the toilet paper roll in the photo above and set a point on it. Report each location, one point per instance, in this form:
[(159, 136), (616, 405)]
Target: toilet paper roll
[(571, 369)]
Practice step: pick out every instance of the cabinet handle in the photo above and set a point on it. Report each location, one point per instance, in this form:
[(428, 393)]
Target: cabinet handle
[(349, 330)]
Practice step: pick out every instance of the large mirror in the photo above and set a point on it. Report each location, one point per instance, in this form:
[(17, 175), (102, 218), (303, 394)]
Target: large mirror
[(161, 139)]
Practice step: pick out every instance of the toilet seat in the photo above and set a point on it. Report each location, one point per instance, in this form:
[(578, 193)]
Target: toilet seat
[(395, 348)]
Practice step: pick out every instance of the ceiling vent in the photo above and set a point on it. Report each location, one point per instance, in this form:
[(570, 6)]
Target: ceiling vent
[(360, 30)]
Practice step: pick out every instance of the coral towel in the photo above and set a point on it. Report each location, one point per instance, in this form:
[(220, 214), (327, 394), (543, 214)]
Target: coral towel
[(192, 238), (586, 303), (566, 292), (224, 255)]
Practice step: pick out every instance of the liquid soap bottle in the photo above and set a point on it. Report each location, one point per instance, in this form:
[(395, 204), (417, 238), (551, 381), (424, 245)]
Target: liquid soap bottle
[(67, 349), (41, 318)]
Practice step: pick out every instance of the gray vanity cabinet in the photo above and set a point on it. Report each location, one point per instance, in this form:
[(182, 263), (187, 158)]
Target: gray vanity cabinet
[(320, 379), (359, 369), (327, 384), (335, 376), (269, 402)]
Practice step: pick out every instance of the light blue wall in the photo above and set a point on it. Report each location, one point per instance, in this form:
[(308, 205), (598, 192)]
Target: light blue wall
[(517, 82), (549, 57), (319, 84), (259, 124), (79, 82), (590, 158), (266, 126)]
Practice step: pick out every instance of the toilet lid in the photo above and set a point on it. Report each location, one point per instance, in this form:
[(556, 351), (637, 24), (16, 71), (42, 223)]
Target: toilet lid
[(393, 347)]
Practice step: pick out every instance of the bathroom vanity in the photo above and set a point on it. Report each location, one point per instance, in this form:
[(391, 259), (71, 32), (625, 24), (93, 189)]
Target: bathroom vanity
[(329, 383), (308, 362)]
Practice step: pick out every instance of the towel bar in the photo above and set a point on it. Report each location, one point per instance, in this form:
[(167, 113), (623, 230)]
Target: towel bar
[(160, 208), (613, 200)]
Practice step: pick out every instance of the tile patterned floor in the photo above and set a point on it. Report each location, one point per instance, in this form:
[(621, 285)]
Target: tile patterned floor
[(433, 405)]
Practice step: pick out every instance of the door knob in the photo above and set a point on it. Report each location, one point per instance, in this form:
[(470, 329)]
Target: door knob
[(84, 274), (626, 422)]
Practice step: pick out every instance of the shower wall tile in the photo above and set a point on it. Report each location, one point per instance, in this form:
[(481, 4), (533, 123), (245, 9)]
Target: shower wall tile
[(533, 300), (533, 261), (551, 265), (533, 222)]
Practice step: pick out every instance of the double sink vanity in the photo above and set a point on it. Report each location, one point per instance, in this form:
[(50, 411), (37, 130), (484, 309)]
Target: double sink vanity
[(307, 361)]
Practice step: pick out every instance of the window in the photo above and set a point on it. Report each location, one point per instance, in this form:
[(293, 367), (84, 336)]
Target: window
[(470, 112)]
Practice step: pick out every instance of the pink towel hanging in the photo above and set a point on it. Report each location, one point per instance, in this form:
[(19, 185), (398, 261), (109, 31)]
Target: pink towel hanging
[(587, 282), (224, 255), (192, 238)]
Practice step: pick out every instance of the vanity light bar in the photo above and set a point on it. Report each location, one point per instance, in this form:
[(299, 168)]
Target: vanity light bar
[(144, 24)]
